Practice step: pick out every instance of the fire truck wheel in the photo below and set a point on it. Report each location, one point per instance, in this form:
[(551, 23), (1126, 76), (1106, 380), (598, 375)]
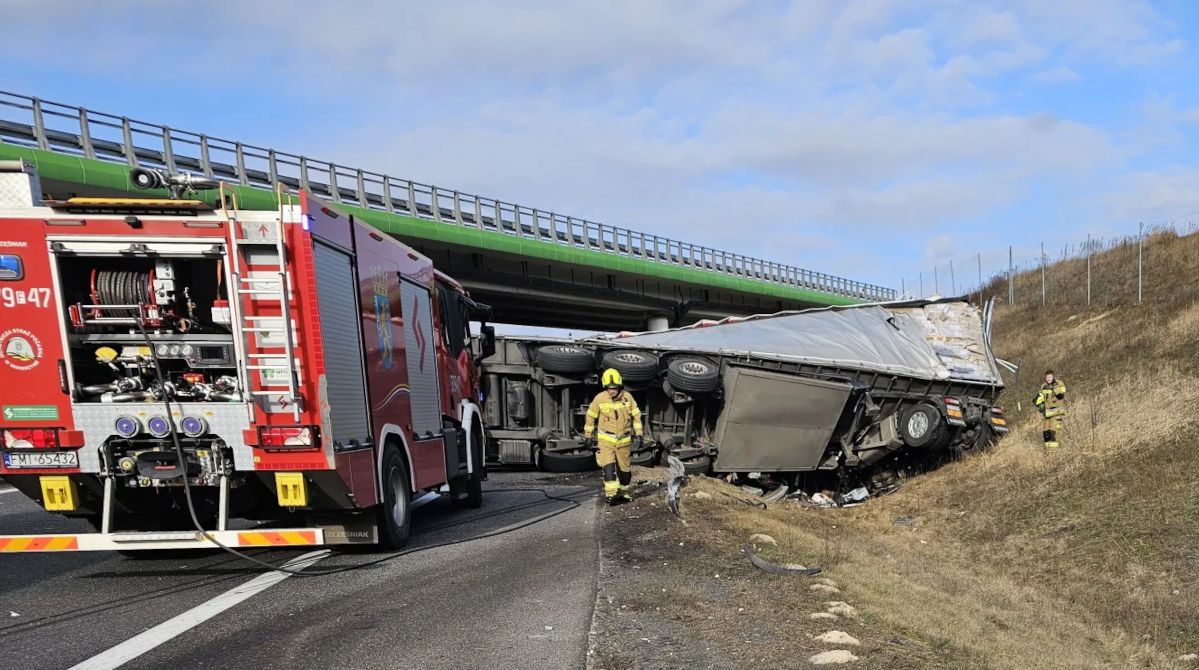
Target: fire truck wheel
[(395, 514)]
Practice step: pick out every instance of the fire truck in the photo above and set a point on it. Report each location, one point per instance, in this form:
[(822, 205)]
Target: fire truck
[(182, 374)]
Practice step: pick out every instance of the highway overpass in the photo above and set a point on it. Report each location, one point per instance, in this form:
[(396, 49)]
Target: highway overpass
[(535, 267)]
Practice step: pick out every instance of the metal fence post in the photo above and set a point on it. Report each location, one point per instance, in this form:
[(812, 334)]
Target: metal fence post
[(39, 126), (1140, 259), (1042, 274), (980, 278), (922, 285), (953, 282), (1088, 269), (1011, 289)]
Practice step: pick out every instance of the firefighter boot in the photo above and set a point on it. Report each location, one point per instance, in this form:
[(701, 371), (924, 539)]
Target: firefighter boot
[(611, 486), (1050, 437), (624, 477)]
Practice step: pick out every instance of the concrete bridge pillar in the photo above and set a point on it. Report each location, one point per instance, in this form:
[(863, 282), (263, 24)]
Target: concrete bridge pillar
[(657, 322)]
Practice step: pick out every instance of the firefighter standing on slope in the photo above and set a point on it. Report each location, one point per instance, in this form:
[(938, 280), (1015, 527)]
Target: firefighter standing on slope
[(1051, 401), (614, 426)]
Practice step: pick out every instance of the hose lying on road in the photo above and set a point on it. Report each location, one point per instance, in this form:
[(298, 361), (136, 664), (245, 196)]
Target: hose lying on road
[(191, 507)]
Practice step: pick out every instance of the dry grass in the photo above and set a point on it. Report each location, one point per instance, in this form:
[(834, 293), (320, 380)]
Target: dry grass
[(1086, 558)]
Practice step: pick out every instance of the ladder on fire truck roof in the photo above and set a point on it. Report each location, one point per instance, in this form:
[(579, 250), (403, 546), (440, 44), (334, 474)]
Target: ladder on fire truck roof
[(267, 366)]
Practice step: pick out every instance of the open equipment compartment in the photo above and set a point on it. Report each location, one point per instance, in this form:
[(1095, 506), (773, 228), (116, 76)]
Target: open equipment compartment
[(176, 293)]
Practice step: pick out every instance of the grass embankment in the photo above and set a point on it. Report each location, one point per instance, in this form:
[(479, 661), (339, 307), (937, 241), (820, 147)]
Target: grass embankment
[(1086, 558)]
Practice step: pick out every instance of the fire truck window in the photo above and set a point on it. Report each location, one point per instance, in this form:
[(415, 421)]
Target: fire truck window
[(451, 320), (11, 268)]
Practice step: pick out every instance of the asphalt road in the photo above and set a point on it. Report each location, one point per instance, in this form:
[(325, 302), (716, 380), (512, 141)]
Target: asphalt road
[(522, 599)]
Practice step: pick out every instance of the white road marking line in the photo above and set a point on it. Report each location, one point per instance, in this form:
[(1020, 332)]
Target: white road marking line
[(171, 628), (8, 490)]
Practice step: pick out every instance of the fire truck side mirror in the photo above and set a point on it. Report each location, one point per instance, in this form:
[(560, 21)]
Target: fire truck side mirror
[(484, 345)]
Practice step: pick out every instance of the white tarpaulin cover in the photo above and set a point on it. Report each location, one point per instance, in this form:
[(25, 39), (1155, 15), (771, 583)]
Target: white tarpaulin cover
[(938, 340)]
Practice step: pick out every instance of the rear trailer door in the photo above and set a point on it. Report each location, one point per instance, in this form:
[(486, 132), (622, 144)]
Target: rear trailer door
[(776, 422), (341, 334), (420, 350)]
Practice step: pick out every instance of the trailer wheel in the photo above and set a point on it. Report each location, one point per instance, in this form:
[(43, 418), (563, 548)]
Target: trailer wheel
[(395, 514), (921, 426), (693, 375), (634, 366), (698, 466), (647, 458), (986, 438), (565, 359), (550, 461)]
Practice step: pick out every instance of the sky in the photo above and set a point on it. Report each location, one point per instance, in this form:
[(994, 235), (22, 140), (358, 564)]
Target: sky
[(874, 139)]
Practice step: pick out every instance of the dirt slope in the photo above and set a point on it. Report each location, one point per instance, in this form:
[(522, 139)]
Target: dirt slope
[(1087, 558)]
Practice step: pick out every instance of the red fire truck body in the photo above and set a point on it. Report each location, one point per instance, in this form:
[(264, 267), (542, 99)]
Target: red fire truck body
[(320, 374)]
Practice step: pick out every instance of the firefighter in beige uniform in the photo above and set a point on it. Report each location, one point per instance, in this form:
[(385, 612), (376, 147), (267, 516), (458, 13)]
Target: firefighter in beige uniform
[(1051, 401), (614, 426)]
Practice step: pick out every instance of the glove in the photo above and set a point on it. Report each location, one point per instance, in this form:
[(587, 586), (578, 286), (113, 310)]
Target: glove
[(589, 442), (637, 442), (1060, 396)]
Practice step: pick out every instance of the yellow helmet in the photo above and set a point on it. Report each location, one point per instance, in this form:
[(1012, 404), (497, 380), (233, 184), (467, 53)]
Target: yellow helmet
[(612, 378)]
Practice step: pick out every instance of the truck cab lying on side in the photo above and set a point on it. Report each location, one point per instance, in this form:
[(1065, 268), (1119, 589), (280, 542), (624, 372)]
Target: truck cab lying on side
[(842, 397)]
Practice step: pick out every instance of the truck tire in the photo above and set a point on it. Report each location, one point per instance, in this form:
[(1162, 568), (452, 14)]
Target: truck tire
[(921, 426), (698, 466), (634, 366), (550, 461), (693, 375), (395, 514), (986, 437), (565, 359)]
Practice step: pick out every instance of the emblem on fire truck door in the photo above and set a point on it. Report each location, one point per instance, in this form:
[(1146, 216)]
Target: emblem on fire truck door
[(21, 349), (383, 336)]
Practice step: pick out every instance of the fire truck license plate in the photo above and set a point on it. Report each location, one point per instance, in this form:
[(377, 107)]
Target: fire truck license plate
[(16, 460)]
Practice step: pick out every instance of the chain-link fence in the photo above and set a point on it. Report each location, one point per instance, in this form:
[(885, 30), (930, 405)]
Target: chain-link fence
[(1094, 270)]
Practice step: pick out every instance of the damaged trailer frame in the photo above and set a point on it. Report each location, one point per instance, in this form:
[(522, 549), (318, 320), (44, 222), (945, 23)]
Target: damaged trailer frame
[(843, 396)]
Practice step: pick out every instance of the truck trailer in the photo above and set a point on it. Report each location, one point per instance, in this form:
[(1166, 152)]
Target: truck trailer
[(834, 398), (182, 374)]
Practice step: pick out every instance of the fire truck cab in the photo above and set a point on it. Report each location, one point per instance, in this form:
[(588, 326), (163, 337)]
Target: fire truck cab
[(300, 369)]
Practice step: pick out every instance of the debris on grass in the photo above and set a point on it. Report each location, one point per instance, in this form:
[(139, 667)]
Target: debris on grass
[(836, 657), (763, 538), (842, 609), (774, 568), (824, 588), (837, 637)]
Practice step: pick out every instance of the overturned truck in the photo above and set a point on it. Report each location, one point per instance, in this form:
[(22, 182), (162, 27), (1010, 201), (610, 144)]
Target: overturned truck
[(837, 397)]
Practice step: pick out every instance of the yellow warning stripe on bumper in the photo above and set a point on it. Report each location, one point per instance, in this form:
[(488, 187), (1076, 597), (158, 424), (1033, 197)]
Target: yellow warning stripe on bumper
[(275, 539), (39, 543)]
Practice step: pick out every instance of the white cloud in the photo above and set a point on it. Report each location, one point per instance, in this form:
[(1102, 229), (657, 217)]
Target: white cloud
[(753, 125), (1155, 195), (1057, 75)]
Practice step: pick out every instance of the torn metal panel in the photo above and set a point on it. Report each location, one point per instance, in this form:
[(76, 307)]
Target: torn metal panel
[(776, 422)]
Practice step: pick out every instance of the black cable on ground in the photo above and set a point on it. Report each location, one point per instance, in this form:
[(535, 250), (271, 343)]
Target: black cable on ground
[(191, 508)]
